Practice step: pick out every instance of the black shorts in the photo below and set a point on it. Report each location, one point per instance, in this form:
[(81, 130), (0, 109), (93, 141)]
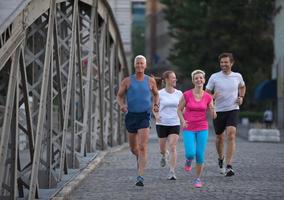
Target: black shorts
[(164, 131), (224, 119), (135, 121)]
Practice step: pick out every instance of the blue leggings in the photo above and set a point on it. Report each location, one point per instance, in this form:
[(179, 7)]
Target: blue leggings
[(195, 145)]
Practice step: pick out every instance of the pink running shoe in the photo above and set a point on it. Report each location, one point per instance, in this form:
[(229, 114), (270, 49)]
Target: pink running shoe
[(197, 183), (187, 166)]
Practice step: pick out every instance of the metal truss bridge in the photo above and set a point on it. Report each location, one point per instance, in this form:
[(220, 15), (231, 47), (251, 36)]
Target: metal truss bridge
[(60, 65)]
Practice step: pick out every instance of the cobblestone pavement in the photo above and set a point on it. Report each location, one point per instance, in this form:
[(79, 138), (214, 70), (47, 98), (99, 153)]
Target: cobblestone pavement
[(259, 175)]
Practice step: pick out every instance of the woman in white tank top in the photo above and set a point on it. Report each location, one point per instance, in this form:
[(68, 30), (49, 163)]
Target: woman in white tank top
[(168, 123)]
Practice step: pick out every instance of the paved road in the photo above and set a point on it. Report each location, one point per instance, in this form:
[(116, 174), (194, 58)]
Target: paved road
[(259, 175)]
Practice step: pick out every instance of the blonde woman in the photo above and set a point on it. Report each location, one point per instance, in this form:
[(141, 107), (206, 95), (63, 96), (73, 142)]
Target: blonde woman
[(192, 113)]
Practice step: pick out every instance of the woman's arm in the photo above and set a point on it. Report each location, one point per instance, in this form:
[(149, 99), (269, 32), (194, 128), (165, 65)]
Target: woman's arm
[(212, 110), (180, 109)]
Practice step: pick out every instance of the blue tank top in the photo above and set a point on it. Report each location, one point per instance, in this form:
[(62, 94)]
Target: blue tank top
[(139, 95)]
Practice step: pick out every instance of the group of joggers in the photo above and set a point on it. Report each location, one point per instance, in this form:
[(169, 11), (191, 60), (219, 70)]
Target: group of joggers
[(138, 97)]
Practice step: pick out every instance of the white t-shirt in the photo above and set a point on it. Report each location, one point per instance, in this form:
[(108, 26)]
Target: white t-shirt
[(226, 88), (268, 116), (168, 107)]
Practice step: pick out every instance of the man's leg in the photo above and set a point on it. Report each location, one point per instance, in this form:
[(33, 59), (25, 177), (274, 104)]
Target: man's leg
[(133, 144), (220, 150), (231, 144), (143, 137), (220, 128), (220, 145)]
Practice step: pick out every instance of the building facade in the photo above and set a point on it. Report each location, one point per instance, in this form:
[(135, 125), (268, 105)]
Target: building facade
[(122, 12), (130, 16), (278, 66)]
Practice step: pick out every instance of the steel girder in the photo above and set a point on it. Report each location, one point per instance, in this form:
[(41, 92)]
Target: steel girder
[(60, 66)]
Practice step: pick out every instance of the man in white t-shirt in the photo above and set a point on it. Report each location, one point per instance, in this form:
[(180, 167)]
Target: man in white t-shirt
[(229, 90)]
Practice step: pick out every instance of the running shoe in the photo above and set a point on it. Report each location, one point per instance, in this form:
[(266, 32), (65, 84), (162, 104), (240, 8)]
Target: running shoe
[(187, 166), (197, 183), (229, 171), (172, 175), (139, 181), (221, 166), (164, 159)]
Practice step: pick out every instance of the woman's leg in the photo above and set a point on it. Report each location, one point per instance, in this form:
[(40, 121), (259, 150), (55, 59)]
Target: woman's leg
[(162, 135), (163, 145), (172, 141), (189, 144), (201, 141)]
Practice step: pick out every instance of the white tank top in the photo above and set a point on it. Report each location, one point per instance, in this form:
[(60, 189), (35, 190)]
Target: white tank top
[(168, 107)]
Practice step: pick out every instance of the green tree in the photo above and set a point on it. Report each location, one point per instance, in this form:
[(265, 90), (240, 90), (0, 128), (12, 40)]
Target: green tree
[(138, 40), (204, 28)]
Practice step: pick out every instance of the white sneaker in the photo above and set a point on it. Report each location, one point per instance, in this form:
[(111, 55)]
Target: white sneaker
[(221, 166), (164, 159), (222, 170), (172, 176)]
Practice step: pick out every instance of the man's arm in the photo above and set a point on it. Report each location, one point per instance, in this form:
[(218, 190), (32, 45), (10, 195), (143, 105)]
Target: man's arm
[(155, 94), (209, 91), (121, 94), (242, 92), (210, 86)]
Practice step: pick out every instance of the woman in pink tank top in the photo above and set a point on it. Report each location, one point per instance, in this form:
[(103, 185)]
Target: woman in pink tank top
[(192, 113)]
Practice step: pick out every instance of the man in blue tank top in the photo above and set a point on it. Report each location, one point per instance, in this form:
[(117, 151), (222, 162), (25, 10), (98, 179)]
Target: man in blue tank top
[(138, 89)]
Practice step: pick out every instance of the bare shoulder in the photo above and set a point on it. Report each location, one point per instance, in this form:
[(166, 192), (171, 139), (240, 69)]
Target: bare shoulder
[(152, 80), (126, 81), (124, 85), (153, 85)]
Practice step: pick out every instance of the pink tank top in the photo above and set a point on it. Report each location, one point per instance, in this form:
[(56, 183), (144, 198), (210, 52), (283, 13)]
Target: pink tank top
[(195, 111)]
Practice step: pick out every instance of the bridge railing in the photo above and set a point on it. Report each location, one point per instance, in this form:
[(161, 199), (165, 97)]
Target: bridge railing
[(60, 65)]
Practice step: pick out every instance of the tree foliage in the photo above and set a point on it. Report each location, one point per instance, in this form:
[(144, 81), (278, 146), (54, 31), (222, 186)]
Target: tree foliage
[(138, 40), (203, 29)]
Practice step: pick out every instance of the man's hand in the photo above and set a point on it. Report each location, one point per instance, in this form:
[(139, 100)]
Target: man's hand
[(214, 115), (240, 100), (157, 116), (124, 108), (155, 108)]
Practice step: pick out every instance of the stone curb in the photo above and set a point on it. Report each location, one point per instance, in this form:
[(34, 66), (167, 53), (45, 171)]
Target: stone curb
[(264, 135), (65, 192)]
